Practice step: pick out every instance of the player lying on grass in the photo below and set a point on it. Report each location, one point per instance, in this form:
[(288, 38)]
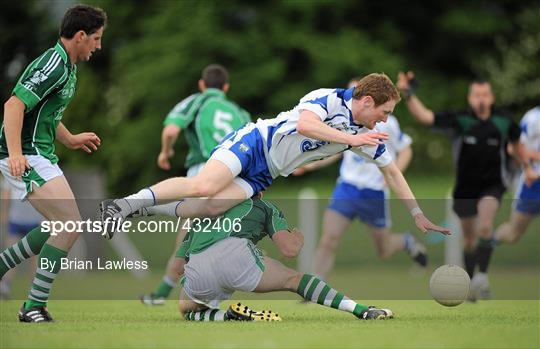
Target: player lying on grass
[(224, 259), (324, 123)]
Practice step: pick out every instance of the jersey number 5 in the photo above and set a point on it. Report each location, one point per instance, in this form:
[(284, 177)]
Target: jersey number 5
[(222, 122)]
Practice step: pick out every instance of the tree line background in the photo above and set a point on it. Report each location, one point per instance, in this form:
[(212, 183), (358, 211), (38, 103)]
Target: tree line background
[(275, 51)]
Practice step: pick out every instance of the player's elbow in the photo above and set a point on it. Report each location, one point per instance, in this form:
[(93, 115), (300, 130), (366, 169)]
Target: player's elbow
[(171, 131), (303, 126)]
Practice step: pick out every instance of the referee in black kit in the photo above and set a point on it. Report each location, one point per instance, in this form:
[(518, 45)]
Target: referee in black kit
[(480, 134)]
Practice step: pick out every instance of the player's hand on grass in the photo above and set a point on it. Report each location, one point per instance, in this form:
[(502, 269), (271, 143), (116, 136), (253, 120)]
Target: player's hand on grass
[(87, 141), (370, 138), (17, 164), (163, 159), (425, 225)]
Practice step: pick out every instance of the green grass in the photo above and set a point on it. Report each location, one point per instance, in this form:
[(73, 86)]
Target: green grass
[(512, 321), (418, 324)]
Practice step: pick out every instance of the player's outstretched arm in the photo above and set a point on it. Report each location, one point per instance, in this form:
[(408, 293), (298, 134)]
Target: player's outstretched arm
[(87, 141), (310, 125), (420, 112), (399, 185), (13, 122)]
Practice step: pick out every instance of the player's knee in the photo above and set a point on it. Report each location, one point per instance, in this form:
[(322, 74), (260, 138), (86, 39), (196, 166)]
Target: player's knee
[(330, 242), (485, 230), (215, 207), (204, 188)]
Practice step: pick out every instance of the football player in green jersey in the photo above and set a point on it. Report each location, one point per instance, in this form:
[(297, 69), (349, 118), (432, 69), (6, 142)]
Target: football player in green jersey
[(205, 118), (32, 122), (223, 257)]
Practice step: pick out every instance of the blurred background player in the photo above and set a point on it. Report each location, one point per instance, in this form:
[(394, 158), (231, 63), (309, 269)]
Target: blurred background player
[(18, 219), (324, 123), (480, 136), (205, 118), (27, 152), (227, 259), (362, 192), (527, 204)]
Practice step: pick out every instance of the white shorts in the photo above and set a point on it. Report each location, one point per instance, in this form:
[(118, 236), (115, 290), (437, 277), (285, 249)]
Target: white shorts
[(42, 171), (213, 275)]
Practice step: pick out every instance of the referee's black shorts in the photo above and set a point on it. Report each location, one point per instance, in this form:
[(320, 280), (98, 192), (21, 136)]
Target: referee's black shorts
[(466, 198)]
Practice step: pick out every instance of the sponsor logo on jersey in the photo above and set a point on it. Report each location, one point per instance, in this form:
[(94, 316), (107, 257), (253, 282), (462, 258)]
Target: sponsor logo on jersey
[(35, 80), (310, 145), (243, 148)]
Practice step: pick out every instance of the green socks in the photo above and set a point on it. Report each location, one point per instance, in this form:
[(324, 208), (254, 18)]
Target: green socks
[(49, 261), (164, 288), (27, 247), (207, 315), (315, 290)]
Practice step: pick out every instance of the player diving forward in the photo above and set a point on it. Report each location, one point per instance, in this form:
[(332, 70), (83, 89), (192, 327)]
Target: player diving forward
[(225, 259), (362, 192), (324, 123)]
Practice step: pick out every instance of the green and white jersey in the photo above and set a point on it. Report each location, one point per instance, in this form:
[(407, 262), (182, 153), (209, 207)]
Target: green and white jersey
[(46, 87), (251, 219), (206, 118)]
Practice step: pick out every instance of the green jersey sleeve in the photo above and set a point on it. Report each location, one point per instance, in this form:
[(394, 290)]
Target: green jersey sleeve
[(275, 220), (40, 78), (183, 250), (181, 114)]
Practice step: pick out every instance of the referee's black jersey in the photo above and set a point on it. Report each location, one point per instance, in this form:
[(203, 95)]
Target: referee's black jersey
[(479, 146)]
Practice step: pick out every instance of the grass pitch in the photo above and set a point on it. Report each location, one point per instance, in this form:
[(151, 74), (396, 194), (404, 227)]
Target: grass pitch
[(418, 324), (108, 320)]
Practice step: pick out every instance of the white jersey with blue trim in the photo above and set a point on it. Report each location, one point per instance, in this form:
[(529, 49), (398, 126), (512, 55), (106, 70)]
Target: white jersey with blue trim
[(355, 170), (287, 149), (530, 133)]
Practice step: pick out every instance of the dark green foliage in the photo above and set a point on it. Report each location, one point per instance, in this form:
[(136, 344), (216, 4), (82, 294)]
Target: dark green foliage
[(153, 53)]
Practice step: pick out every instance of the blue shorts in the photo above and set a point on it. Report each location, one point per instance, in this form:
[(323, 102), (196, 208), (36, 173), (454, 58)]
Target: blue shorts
[(243, 152), (371, 206), (528, 199), (21, 229)]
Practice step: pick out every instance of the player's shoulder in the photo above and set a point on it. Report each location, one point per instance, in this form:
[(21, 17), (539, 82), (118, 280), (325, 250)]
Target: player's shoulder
[(532, 116), (185, 103), (50, 62), (320, 92)]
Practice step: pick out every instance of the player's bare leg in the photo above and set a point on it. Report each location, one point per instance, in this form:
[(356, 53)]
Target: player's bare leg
[(468, 226), (215, 182), (277, 277), (487, 209), (334, 224), (55, 201), (215, 205), (387, 244), (512, 231)]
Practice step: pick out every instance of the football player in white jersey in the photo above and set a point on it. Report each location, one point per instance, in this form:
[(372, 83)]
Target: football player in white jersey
[(324, 123), (527, 204), (362, 192)]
